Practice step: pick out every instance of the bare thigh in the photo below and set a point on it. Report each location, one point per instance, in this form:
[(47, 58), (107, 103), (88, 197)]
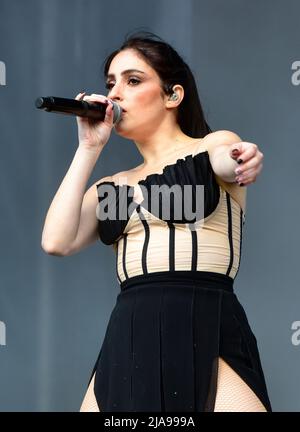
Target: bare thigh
[(233, 394), (89, 403)]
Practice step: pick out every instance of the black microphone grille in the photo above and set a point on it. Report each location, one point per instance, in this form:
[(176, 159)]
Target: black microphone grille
[(39, 102)]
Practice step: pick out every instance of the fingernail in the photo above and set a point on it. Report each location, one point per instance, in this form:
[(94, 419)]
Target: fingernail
[(239, 161), (234, 151)]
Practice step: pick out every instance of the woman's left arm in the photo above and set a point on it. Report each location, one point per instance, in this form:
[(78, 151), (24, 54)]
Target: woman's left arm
[(234, 160)]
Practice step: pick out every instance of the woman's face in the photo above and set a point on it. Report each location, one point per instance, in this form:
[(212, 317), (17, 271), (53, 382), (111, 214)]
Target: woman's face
[(136, 87)]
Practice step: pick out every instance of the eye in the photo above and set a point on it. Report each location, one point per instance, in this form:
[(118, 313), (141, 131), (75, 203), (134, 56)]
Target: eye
[(108, 86), (134, 81)]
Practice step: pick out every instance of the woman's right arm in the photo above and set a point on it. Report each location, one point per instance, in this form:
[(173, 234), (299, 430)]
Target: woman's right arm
[(71, 222), (71, 217)]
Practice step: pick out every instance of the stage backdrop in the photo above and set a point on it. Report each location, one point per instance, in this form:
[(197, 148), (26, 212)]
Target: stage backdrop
[(54, 311)]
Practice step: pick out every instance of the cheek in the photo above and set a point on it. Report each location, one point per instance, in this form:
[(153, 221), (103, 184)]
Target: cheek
[(148, 98), (149, 105)]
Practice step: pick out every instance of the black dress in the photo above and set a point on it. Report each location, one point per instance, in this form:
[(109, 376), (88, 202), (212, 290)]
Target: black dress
[(176, 311)]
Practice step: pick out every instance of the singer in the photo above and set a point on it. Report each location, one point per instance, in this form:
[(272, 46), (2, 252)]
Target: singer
[(178, 339)]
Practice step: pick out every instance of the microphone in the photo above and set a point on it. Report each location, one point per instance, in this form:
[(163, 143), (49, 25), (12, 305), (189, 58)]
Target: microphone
[(77, 108)]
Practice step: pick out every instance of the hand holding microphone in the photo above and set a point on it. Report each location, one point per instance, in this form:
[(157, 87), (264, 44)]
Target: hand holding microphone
[(95, 115), (95, 133)]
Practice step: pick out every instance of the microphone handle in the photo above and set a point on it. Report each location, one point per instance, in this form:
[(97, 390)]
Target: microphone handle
[(74, 107)]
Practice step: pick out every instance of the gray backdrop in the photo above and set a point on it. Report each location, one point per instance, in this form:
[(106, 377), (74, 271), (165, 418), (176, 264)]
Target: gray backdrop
[(54, 311)]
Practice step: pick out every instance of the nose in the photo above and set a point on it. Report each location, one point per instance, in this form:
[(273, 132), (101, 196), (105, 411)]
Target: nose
[(115, 93)]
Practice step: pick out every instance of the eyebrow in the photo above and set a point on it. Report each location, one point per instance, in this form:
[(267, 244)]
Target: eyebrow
[(125, 72)]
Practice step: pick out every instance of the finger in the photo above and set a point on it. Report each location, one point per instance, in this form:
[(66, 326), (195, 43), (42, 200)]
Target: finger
[(98, 95), (109, 114), (235, 151), (80, 96), (249, 176), (96, 99), (101, 98), (254, 162), (247, 153)]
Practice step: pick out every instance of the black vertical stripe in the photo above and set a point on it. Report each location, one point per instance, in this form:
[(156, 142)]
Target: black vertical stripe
[(171, 246), (214, 372), (161, 357), (194, 247), (117, 259), (146, 241), (241, 238), (132, 348), (193, 324), (229, 215), (124, 255)]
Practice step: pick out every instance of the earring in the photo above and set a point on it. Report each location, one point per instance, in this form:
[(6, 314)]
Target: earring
[(173, 97)]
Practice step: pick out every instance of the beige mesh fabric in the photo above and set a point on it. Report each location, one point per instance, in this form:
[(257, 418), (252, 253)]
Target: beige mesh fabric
[(213, 245), (233, 394), (89, 403)]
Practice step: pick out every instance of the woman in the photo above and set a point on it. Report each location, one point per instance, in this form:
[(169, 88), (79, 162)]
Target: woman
[(178, 339)]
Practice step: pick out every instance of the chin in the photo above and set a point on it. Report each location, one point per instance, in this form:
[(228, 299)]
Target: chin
[(123, 132)]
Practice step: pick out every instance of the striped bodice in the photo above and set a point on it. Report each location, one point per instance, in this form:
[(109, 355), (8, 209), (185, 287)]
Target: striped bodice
[(145, 242)]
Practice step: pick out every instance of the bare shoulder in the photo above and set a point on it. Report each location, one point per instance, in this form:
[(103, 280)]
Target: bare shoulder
[(93, 188), (102, 180), (123, 177), (220, 137)]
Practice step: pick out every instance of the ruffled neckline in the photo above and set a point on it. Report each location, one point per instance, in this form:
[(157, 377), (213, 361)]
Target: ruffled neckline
[(152, 176)]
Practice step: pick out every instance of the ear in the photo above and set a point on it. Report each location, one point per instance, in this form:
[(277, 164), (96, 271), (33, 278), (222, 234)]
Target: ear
[(170, 102)]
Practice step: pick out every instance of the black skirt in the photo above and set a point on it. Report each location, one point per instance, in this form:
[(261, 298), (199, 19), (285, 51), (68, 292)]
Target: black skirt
[(162, 343)]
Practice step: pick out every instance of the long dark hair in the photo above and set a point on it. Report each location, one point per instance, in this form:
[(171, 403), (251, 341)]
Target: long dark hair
[(172, 70)]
